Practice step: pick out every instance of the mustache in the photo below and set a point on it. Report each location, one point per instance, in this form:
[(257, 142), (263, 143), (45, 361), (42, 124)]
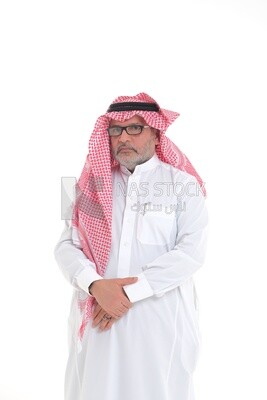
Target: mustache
[(125, 147)]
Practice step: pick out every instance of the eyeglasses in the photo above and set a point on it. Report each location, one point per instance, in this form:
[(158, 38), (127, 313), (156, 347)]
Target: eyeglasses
[(130, 129)]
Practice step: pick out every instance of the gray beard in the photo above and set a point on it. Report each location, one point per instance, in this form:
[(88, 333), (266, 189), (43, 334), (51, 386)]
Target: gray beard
[(136, 159), (131, 164)]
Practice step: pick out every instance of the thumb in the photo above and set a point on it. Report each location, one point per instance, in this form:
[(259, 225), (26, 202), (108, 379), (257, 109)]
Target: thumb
[(127, 281)]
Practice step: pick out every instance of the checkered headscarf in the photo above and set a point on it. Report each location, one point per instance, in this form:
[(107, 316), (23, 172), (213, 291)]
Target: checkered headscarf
[(92, 212)]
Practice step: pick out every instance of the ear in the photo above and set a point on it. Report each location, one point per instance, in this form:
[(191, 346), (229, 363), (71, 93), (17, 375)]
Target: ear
[(157, 136)]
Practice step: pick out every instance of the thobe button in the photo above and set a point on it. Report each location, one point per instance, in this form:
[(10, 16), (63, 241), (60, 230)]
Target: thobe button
[(125, 243)]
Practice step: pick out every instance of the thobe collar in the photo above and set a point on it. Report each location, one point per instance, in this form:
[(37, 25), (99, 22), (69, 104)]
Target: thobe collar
[(140, 168)]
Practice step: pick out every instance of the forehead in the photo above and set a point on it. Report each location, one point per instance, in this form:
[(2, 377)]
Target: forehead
[(136, 119)]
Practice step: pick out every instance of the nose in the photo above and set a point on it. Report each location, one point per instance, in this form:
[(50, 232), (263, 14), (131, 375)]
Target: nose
[(124, 136)]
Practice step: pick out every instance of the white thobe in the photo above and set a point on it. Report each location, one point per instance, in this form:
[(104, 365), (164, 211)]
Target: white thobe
[(159, 228)]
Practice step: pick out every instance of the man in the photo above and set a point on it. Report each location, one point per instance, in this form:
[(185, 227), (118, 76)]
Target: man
[(137, 237)]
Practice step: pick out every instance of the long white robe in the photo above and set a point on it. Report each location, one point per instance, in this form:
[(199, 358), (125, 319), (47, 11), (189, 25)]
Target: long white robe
[(158, 234)]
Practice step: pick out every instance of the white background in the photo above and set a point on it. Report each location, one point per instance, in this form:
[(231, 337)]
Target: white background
[(62, 63)]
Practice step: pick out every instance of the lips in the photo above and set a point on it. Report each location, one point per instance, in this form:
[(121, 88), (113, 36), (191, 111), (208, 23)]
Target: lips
[(124, 149)]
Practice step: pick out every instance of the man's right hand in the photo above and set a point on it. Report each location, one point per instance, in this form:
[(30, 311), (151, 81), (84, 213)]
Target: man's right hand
[(110, 295)]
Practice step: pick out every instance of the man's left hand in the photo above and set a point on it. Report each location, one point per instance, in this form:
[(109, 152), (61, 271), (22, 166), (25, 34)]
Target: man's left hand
[(103, 324)]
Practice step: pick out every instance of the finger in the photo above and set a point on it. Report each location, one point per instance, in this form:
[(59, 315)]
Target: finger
[(123, 311), (127, 281), (98, 318), (109, 324), (103, 324), (117, 312), (126, 303), (106, 324), (97, 313), (113, 314), (120, 313), (96, 310), (125, 308), (117, 315)]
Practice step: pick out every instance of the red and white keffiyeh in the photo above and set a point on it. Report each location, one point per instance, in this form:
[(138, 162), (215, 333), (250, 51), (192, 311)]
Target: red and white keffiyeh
[(92, 212)]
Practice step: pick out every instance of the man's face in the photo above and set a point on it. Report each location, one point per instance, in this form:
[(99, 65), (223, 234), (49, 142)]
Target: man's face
[(131, 150)]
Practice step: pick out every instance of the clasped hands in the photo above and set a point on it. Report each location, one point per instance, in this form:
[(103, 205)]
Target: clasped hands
[(111, 299)]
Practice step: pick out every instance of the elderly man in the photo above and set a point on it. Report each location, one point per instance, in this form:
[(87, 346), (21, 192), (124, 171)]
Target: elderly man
[(136, 238)]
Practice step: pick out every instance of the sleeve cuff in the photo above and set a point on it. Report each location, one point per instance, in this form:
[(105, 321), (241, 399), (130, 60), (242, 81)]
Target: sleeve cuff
[(139, 290), (86, 277)]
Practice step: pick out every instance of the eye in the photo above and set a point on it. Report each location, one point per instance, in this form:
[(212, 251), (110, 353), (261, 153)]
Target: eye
[(115, 130), (135, 128)]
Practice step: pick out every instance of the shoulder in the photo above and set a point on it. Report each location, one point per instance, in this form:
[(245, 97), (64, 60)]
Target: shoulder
[(177, 174), (184, 183)]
